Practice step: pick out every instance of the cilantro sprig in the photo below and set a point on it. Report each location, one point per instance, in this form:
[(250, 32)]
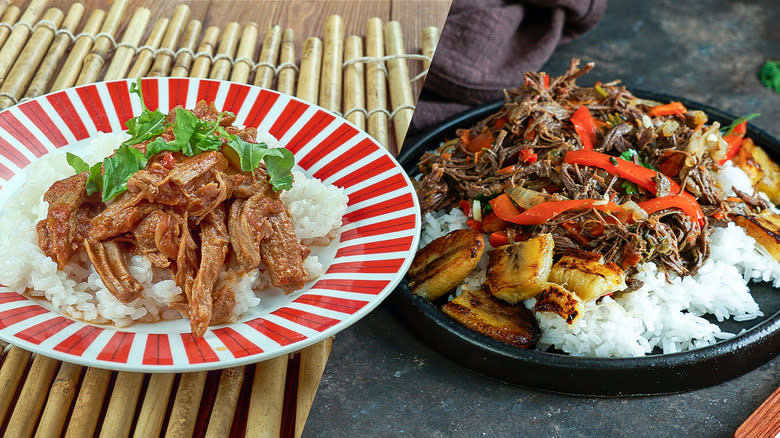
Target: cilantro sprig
[(727, 129), (630, 154), (191, 136)]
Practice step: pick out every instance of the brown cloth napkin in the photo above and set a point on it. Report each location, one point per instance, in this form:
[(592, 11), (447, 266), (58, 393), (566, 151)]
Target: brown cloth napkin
[(486, 46)]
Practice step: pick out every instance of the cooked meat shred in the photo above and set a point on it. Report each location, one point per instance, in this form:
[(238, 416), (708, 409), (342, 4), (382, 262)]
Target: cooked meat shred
[(533, 132), (201, 217)]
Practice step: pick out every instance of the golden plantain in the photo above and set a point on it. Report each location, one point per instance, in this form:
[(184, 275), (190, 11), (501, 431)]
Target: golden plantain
[(519, 271), (443, 264), (483, 313), (588, 276)]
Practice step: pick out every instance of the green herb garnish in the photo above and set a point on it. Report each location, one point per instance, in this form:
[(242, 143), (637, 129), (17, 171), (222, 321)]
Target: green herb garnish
[(191, 136), (94, 181), (727, 129), (76, 162), (145, 126), (630, 188), (770, 75), (629, 156), (278, 161), (118, 168)]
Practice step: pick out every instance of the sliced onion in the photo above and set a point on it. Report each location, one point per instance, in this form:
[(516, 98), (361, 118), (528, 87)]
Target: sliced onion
[(476, 210), (637, 212)]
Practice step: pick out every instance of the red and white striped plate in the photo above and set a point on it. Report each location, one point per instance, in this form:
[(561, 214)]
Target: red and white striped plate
[(378, 237)]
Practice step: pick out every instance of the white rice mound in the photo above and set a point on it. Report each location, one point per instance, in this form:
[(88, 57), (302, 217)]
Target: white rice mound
[(664, 315), (78, 291)]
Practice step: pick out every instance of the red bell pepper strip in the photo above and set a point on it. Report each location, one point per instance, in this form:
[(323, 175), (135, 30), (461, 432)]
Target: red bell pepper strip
[(503, 206), (465, 206), (499, 123), (667, 109), (641, 176), (584, 126), (527, 156), (499, 238), (734, 141), (574, 230), (687, 204), (545, 211), (492, 222)]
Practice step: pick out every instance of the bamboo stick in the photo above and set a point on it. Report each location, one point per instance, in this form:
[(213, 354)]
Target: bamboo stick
[(313, 360), (227, 46), (70, 70), (31, 56), (333, 53), (162, 64), (123, 55), (354, 91), (225, 403), (50, 63), (15, 42), (400, 89), (376, 83), (93, 62), (286, 82), (265, 406), (32, 397), (61, 395), (10, 376), (124, 398), (146, 55), (150, 419), (245, 53), (311, 63), (264, 75), (429, 38), (181, 66), (201, 65), (89, 403), (9, 18), (184, 413), (4, 7)]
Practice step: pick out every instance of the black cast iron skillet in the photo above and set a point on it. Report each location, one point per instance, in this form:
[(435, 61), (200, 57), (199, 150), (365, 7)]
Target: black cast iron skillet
[(559, 372)]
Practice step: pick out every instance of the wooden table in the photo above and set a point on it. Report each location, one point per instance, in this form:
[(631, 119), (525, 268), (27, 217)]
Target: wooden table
[(305, 17), (273, 398)]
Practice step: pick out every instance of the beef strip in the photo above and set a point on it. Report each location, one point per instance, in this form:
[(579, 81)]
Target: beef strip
[(280, 251), (109, 263), (157, 236), (196, 184), (214, 240), (64, 229), (248, 227), (120, 216), (754, 201), (223, 301)]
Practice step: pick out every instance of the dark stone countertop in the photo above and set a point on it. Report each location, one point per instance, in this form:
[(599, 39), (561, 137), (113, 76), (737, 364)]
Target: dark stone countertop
[(381, 381)]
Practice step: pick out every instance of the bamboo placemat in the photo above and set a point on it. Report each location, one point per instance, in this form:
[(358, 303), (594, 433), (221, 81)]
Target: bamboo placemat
[(365, 78)]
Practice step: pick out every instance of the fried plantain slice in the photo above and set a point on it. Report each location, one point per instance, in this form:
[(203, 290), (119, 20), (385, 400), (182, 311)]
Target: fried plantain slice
[(557, 299), (443, 264), (483, 313), (519, 271), (588, 277)]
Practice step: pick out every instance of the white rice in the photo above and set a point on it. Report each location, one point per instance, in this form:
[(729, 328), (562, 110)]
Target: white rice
[(665, 315), (78, 291)]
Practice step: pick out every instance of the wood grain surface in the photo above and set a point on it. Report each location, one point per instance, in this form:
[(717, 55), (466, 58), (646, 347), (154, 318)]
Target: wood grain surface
[(305, 17)]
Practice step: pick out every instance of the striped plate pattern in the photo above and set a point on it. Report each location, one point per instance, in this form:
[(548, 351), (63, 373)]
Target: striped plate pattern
[(378, 237)]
